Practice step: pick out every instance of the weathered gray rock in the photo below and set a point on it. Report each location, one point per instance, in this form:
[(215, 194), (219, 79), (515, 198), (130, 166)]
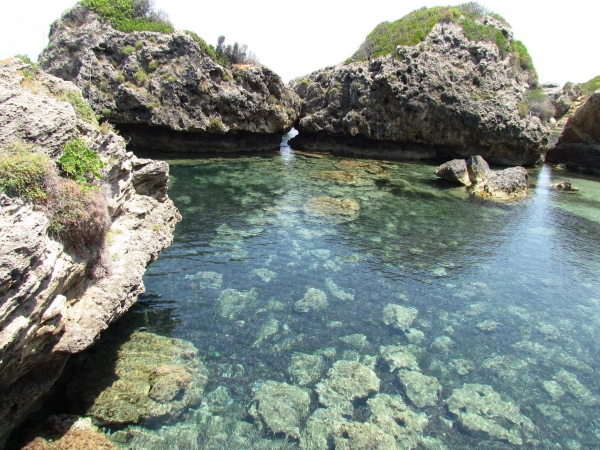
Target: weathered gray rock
[(505, 184), (562, 98), (478, 169), (447, 97), (164, 92), (455, 171), (481, 412), (281, 408), (52, 303), (579, 145)]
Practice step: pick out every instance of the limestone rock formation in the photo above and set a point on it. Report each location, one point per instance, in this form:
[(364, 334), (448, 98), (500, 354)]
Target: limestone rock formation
[(506, 184), (579, 145), (53, 302), (165, 92), (447, 97), (562, 98), (399, 316)]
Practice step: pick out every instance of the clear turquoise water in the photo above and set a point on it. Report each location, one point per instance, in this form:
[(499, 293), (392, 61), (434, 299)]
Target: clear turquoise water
[(530, 266)]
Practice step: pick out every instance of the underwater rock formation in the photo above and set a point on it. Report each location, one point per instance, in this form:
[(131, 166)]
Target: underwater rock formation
[(280, 408), (579, 144), (156, 377), (54, 302), (336, 208), (421, 389), (399, 316), (480, 411), (446, 97), (165, 91), (346, 381), (313, 300)]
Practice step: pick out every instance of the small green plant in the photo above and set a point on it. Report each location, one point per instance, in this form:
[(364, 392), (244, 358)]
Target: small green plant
[(23, 173), (120, 77), (106, 112), (239, 79), (225, 77), (82, 108), (216, 124), (151, 105), (157, 227), (591, 86), (171, 79), (141, 77), (29, 73), (153, 65), (348, 61), (523, 109), (78, 161), (128, 15), (127, 50), (207, 49), (139, 44), (272, 99), (304, 82)]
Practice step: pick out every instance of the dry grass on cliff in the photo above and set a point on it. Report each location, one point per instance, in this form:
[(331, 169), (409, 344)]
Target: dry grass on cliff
[(77, 214)]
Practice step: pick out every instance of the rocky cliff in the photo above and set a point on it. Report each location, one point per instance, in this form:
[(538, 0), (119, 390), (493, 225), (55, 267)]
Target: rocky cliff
[(579, 144), (446, 97), (55, 302), (165, 91)]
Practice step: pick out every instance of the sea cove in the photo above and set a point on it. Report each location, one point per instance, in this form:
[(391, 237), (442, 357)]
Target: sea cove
[(502, 299)]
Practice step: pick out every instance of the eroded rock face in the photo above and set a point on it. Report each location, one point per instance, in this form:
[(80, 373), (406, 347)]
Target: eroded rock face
[(53, 303), (446, 97), (579, 145), (455, 171), (164, 92)]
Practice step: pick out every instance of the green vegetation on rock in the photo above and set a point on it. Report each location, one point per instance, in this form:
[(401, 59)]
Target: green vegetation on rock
[(82, 108), (131, 15), (591, 86), (206, 48), (77, 161), (416, 26), (23, 173)]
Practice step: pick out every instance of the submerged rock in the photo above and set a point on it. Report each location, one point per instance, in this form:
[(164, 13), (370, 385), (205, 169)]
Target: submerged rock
[(232, 302), (154, 377), (341, 177), (342, 208), (280, 408), (306, 369), (392, 416), (355, 340), (346, 381), (313, 300), (268, 329), (398, 358), (576, 388), (455, 171), (481, 412), (566, 185), (336, 291), (399, 316), (265, 275), (553, 389), (420, 389), (207, 280)]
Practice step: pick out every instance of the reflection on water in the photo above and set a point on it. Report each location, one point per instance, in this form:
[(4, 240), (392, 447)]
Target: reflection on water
[(427, 318)]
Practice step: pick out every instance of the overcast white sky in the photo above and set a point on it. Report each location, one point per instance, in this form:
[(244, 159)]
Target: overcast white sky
[(295, 38)]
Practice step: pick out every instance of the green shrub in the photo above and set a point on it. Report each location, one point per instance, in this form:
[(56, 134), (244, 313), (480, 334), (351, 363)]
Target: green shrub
[(225, 77), (139, 44), (125, 16), (79, 162), (106, 112), (216, 124), (171, 79), (78, 217), (82, 108), (523, 60), (207, 49), (25, 174), (119, 77), (239, 79), (304, 82), (141, 77), (127, 50), (153, 65), (523, 109), (591, 86)]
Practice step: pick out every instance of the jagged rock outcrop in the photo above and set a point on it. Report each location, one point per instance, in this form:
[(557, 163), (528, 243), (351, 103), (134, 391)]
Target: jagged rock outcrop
[(562, 98), (579, 144), (164, 92), (476, 174), (54, 303), (447, 97)]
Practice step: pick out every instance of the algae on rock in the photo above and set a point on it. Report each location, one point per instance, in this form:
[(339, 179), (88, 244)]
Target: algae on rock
[(346, 381), (421, 389), (306, 369), (281, 408), (399, 316)]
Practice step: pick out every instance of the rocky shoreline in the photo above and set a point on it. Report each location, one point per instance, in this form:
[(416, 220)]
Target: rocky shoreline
[(56, 303)]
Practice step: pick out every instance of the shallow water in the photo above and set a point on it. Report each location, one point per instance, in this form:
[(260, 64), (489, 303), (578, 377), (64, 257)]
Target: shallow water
[(508, 295)]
